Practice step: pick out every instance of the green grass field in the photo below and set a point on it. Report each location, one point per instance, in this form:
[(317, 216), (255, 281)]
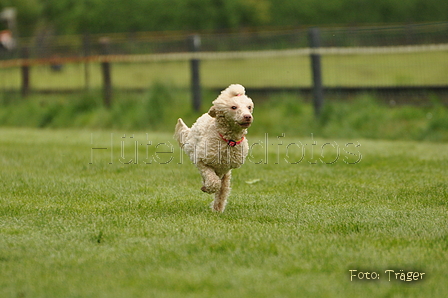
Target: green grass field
[(80, 222), (338, 70)]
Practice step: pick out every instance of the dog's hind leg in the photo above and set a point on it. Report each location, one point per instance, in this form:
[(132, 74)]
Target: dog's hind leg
[(219, 204)]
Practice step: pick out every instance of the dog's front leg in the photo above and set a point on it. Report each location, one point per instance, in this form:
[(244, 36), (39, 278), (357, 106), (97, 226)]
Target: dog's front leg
[(210, 181)]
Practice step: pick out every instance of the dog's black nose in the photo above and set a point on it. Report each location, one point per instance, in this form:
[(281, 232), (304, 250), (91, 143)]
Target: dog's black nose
[(248, 117)]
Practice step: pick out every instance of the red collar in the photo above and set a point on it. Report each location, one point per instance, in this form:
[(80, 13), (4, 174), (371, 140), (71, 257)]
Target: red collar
[(232, 143)]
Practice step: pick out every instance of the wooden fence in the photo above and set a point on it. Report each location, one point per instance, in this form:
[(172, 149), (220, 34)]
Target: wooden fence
[(106, 56)]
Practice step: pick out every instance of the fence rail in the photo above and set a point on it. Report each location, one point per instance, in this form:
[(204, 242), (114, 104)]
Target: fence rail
[(227, 55)]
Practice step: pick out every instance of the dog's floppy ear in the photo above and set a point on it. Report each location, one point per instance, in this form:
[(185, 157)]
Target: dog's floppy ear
[(212, 112)]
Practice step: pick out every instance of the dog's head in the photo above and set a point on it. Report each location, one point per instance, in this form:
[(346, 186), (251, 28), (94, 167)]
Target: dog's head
[(233, 106)]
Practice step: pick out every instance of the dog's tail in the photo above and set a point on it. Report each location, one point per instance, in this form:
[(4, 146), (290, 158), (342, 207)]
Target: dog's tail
[(181, 132)]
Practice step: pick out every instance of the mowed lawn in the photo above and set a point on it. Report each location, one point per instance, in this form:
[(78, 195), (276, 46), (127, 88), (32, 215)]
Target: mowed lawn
[(129, 220)]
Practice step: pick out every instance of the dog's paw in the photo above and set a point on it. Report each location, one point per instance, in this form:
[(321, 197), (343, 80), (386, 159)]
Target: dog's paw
[(205, 189), (218, 206), (209, 190), (211, 186)]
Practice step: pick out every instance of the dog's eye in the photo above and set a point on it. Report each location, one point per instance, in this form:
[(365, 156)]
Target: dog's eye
[(249, 107), (234, 107)]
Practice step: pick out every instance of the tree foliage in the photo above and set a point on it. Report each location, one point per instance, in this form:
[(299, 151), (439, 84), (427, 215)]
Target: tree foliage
[(99, 16)]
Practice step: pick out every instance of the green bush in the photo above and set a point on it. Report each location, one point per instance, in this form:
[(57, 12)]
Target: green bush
[(98, 16), (158, 108)]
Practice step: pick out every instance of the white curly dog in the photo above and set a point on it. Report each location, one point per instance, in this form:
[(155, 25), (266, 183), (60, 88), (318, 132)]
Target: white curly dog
[(216, 143)]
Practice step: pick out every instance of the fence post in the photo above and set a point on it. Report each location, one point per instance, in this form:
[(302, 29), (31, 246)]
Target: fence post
[(316, 68), (86, 52), (194, 45), (25, 73), (105, 67)]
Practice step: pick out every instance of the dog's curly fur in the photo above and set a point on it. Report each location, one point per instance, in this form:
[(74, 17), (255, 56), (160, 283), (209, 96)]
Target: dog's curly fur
[(216, 142)]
